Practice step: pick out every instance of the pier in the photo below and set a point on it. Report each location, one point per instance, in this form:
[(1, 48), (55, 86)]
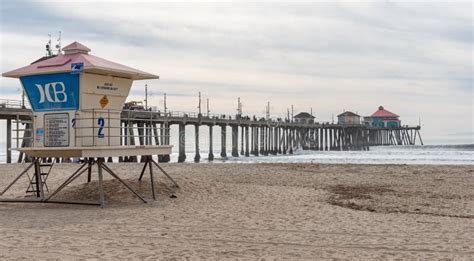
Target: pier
[(250, 136), (18, 119)]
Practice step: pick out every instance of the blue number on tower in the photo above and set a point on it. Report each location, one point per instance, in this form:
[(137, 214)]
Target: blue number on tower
[(101, 123)]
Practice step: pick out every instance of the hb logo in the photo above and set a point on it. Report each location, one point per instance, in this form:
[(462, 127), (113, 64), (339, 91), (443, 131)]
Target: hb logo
[(52, 92)]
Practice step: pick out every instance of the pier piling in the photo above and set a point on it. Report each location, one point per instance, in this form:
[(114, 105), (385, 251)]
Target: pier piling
[(197, 156), (223, 141), (235, 140), (210, 156), (182, 139), (9, 141), (247, 154)]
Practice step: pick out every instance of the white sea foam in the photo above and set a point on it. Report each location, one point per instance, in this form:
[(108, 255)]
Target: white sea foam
[(430, 154)]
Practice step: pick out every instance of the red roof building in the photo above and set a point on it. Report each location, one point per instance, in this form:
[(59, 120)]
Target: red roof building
[(383, 118), (383, 113)]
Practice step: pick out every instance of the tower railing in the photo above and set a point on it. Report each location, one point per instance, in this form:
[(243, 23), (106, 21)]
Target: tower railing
[(103, 127)]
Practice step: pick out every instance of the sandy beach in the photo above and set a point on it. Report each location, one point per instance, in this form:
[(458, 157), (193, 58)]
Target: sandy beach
[(250, 211)]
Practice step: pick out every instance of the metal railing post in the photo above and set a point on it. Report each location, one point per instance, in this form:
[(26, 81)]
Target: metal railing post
[(108, 127), (18, 131), (93, 127)]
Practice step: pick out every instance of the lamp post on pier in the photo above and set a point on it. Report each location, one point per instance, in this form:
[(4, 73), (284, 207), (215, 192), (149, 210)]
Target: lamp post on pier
[(146, 96), (199, 105)]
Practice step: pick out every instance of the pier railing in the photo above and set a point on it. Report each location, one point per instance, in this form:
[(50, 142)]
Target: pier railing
[(174, 117), (13, 104)]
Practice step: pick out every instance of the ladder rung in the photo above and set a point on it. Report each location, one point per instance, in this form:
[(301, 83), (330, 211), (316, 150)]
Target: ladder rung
[(46, 164)]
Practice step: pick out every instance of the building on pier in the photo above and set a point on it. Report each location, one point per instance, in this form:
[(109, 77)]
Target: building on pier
[(383, 118), (304, 118), (348, 118)]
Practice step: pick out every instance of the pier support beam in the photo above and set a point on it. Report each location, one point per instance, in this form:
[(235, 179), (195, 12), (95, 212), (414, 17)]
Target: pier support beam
[(26, 142), (279, 139), (290, 141), (267, 140), (9, 141), (141, 137), (316, 139), (275, 141), (419, 136), (247, 154), (223, 141), (242, 140), (331, 133), (120, 158), (255, 141), (155, 134), (211, 154), (182, 143), (131, 140), (235, 141), (325, 139), (165, 140), (252, 142), (197, 156)]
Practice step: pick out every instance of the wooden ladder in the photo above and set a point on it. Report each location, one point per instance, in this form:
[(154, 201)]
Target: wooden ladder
[(45, 169)]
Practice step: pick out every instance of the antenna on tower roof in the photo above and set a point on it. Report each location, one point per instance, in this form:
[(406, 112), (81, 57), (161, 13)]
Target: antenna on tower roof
[(49, 52), (58, 44)]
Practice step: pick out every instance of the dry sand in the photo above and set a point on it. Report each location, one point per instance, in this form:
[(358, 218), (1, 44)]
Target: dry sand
[(249, 211)]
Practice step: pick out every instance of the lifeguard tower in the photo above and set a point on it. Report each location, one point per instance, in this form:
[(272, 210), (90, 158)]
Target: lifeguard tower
[(77, 100)]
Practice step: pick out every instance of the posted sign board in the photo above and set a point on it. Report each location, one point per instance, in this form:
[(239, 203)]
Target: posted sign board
[(56, 130)]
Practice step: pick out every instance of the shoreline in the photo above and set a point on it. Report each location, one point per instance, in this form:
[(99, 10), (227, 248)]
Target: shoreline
[(218, 161), (412, 155)]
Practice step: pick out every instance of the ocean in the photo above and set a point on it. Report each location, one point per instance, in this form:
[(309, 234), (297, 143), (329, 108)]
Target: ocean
[(428, 154)]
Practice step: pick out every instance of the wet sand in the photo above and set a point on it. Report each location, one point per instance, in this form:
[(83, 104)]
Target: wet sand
[(228, 211)]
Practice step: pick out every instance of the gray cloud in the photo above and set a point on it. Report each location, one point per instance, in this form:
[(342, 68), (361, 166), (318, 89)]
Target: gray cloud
[(414, 58)]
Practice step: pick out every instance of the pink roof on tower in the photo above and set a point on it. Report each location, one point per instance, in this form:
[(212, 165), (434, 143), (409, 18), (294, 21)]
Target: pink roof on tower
[(76, 46), (381, 112), (79, 53)]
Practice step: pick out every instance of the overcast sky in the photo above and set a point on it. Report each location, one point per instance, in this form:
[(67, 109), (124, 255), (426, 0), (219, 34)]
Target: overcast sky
[(414, 59)]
